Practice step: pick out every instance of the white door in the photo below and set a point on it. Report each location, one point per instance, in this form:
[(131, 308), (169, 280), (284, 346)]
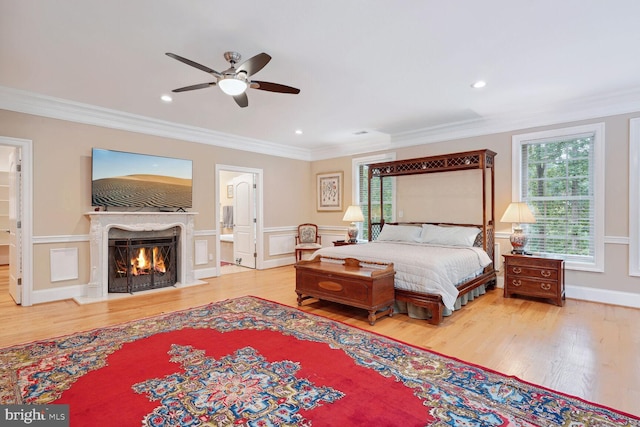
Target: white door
[(244, 217), (15, 235)]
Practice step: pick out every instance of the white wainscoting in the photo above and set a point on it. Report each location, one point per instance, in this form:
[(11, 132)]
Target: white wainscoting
[(201, 252), (64, 264), (329, 234), (282, 244)]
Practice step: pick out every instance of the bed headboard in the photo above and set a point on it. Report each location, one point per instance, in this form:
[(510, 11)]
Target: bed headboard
[(479, 159)]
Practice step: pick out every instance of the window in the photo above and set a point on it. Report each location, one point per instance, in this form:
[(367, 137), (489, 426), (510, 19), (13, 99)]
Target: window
[(360, 191), (560, 174)]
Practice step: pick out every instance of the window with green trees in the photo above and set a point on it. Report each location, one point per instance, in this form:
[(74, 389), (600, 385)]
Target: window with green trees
[(361, 191), (560, 179)]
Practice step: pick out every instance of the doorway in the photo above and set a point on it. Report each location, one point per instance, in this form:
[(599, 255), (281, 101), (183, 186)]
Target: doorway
[(239, 219), (15, 216)]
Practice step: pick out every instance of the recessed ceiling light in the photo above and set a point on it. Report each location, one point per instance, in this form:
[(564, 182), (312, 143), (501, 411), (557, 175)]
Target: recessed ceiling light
[(298, 131), (479, 84), (166, 98)]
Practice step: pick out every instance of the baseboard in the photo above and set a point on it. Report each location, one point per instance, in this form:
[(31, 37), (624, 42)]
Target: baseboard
[(624, 299), (604, 296), (57, 294), (78, 293), (204, 273), (278, 262)]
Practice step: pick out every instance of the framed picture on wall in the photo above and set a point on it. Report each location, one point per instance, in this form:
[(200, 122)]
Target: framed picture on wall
[(229, 191), (329, 191)]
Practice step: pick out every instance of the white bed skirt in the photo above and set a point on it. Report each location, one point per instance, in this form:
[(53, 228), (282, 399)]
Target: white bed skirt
[(416, 312)]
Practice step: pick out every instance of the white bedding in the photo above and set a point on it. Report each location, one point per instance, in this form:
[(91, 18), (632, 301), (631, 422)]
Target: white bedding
[(420, 267)]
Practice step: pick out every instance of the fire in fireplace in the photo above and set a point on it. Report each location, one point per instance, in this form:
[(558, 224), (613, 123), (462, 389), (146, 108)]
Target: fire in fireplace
[(142, 263)]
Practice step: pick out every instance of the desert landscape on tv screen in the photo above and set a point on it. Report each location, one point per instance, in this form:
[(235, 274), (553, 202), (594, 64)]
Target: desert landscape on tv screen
[(122, 179)]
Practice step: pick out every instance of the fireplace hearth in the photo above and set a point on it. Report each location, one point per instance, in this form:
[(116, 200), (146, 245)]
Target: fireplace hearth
[(139, 263)]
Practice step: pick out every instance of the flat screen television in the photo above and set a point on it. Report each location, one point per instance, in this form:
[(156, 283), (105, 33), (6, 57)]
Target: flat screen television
[(131, 180)]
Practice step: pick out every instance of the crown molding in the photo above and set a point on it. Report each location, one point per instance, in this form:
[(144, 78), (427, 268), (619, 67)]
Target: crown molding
[(353, 145), (593, 107), (57, 108), (621, 102)]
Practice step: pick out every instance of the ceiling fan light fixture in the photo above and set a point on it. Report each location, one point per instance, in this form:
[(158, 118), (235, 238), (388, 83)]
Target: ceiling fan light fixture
[(235, 81), (232, 85)]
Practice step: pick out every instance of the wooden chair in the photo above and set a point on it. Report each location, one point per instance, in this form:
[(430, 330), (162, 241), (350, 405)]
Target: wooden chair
[(307, 239)]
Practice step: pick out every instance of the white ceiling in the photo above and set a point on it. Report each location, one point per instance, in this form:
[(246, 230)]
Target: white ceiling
[(391, 69)]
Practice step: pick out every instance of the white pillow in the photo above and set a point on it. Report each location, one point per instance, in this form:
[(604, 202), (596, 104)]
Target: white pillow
[(400, 233), (448, 235)]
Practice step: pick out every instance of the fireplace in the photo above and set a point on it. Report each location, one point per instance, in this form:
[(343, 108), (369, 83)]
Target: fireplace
[(139, 261), (115, 225)]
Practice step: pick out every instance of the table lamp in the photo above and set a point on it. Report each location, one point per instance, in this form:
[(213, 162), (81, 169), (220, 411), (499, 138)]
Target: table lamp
[(353, 215), (518, 213)]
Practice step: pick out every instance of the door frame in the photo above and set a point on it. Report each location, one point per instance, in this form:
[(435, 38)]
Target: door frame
[(258, 173), (26, 152)]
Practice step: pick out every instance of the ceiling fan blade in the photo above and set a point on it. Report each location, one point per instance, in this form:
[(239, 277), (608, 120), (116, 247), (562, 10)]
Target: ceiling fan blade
[(194, 64), (254, 64), (273, 87), (241, 99), (193, 87)]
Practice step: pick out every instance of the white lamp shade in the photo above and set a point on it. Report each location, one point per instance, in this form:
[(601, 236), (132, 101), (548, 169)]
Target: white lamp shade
[(519, 213), (353, 214), (232, 86)]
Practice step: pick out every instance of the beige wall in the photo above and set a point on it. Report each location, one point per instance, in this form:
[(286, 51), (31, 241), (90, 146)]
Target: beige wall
[(615, 276), (343, 165), (62, 182), (62, 168)]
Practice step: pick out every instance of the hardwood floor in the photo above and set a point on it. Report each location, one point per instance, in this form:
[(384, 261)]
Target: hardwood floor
[(584, 349)]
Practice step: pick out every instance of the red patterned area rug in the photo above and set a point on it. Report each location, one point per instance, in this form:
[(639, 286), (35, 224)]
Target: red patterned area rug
[(251, 362)]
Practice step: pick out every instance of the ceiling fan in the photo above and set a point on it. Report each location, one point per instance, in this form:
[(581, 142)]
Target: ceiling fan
[(235, 81)]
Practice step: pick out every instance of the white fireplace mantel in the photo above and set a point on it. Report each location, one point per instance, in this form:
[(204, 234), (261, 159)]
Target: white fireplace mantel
[(102, 222)]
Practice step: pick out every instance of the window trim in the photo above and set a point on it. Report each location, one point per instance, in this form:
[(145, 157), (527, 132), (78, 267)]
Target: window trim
[(634, 197), (598, 130), (355, 179)]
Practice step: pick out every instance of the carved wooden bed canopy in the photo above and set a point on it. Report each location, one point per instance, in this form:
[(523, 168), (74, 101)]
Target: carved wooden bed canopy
[(469, 160)]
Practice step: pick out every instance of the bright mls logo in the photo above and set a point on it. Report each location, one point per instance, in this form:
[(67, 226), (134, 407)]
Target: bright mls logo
[(34, 415)]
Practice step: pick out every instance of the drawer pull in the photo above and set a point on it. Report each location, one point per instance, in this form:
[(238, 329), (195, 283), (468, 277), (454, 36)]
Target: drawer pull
[(545, 273), (517, 270), (516, 282), (545, 286)]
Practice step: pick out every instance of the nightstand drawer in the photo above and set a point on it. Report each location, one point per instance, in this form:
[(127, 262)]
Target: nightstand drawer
[(534, 272), (532, 287), (533, 276)]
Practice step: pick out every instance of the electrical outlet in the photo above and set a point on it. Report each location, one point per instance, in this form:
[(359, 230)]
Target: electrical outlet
[(210, 257)]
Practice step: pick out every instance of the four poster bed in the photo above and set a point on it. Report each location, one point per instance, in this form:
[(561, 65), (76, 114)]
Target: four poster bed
[(440, 266)]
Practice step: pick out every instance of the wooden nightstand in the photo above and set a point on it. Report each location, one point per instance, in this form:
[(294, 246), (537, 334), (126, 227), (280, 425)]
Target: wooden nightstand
[(535, 277)]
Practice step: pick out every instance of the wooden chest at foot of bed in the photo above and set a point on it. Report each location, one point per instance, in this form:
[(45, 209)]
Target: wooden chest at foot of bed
[(348, 281)]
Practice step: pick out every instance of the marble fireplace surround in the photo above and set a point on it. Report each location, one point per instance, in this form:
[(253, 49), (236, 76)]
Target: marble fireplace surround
[(102, 222)]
